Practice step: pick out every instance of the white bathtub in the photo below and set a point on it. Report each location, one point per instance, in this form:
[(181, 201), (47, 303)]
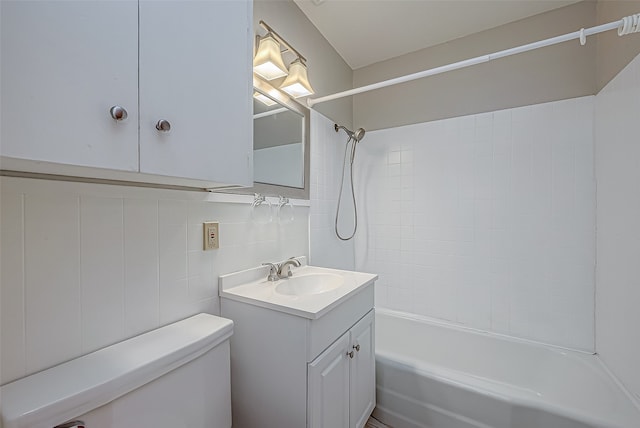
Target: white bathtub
[(437, 376)]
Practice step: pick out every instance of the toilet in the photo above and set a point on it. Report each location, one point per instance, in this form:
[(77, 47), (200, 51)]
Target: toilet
[(177, 376)]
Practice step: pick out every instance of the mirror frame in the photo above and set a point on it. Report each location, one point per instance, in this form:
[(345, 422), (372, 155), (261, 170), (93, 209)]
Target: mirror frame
[(279, 190)]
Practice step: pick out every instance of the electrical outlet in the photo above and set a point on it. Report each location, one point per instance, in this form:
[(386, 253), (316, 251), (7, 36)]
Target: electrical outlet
[(211, 235)]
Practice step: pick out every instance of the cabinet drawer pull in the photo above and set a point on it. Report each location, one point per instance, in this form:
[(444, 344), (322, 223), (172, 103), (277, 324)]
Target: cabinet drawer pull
[(350, 354), (163, 125), (118, 113), (357, 347)]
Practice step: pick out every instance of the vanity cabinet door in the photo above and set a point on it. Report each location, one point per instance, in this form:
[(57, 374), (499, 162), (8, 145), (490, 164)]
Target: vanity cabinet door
[(342, 380), (328, 387), (64, 65), (196, 74), (363, 371)]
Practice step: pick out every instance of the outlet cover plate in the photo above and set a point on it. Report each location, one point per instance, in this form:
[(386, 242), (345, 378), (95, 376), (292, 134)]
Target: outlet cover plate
[(211, 238)]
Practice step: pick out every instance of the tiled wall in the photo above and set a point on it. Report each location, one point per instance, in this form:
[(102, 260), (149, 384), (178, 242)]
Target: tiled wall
[(618, 272), (87, 265), (327, 154), (486, 220)]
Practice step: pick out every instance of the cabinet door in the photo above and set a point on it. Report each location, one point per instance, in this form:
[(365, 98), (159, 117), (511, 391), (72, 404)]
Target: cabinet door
[(328, 384), (363, 371), (64, 65), (195, 73)]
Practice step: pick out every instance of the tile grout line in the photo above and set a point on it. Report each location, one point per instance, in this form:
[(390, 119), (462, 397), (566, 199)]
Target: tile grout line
[(24, 283)]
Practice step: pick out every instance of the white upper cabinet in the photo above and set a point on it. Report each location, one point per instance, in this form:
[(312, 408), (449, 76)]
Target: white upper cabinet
[(193, 61), (65, 64)]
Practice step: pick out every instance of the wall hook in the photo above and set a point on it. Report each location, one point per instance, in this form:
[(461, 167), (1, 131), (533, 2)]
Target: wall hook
[(261, 209), (285, 210)]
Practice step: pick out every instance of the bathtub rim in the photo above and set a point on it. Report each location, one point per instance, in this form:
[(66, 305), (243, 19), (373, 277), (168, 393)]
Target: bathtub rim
[(634, 400), (465, 328), (416, 366), (514, 400)]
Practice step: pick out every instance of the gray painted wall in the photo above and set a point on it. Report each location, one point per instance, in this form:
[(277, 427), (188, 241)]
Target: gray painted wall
[(553, 73), (615, 52)]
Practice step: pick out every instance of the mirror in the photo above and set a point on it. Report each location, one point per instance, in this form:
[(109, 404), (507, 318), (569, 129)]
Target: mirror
[(281, 145), (278, 144)]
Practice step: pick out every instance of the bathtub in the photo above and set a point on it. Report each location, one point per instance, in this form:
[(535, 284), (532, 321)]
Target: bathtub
[(432, 375)]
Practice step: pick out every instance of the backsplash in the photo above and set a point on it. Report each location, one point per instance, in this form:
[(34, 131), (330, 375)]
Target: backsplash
[(486, 220), (88, 265)]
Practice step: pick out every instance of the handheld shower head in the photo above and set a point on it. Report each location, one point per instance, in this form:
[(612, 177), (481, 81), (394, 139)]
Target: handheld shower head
[(357, 135)]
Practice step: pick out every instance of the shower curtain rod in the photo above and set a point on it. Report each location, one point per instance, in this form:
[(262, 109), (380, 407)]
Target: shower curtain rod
[(627, 25)]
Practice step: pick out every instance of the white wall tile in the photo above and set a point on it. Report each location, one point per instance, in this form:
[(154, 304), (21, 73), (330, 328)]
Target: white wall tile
[(327, 154), (12, 323), (172, 243), (142, 291), (52, 280), (101, 272), (174, 300), (105, 263), (500, 296), (618, 209), (202, 282), (494, 198)]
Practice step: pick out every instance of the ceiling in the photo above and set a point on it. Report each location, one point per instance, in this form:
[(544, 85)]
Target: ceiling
[(364, 32)]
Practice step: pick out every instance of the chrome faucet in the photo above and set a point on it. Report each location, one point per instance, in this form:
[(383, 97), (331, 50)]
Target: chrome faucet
[(281, 270), (274, 270), (284, 269)]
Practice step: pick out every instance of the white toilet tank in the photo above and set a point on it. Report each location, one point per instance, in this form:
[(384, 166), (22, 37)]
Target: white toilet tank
[(177, 376)]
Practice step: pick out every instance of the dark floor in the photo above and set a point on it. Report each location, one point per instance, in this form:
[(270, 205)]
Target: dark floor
[(374, 423)]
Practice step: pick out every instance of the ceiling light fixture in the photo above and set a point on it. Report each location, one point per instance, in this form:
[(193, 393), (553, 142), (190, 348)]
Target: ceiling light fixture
[(268, 61), (297, 83), (268, 64)]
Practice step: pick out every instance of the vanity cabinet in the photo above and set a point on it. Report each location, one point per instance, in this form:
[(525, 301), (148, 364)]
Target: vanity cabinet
[(181, 70), (289, 371), (342, 379)]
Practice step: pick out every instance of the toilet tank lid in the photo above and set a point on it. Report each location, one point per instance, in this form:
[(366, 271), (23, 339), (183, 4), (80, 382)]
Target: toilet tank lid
[(58, 394)]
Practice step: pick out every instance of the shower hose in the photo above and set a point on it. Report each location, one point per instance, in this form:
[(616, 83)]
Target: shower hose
[(353, 195)]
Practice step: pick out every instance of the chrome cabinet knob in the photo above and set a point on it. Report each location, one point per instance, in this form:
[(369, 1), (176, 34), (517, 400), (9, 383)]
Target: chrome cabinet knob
[(350, 354), (163, 125), (357, 347), (118, 113)]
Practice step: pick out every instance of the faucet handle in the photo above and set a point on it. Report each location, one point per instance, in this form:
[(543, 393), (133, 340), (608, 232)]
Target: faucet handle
[(273, 271)]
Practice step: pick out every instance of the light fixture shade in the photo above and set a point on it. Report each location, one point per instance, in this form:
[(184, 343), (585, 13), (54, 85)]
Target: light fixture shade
[(297, 83), (264, 99), (268, 60)]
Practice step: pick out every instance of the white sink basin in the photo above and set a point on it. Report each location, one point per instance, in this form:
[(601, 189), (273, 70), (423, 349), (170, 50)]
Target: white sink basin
[(310, 293), (304, 285)]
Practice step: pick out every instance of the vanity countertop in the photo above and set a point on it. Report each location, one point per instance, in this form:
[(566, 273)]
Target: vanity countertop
[(251, 286)]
